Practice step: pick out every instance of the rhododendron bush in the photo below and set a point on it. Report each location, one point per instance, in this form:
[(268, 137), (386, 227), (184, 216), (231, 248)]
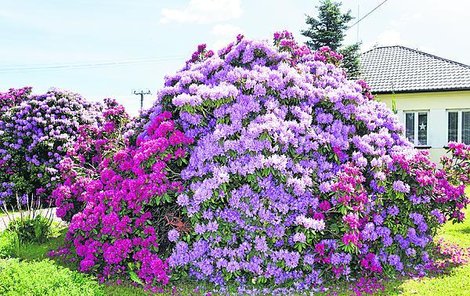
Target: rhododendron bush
[(127, 202), (457, 164), (35, 133), (262, 165), (81, 164), (297, 175)]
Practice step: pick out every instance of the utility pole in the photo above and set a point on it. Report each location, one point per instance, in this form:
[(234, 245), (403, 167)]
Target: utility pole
[(142, 93)]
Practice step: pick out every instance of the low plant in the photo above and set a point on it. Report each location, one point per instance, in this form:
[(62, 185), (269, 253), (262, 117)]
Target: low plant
[(18, 278), (31, 229), (31, 224)]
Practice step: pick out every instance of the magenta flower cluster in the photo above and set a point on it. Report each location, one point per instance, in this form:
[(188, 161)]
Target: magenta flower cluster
[(119, 233), (297, 175), (81, 164), (35, 134), (457, 164)]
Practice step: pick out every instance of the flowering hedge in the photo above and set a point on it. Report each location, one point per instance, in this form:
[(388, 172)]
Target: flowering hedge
[(35, 133), (129, 206), (296, 174)]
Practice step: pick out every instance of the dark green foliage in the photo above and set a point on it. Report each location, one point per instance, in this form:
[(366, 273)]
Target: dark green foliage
[(31, 229), (329, 29), (45, 278), (351, 62)]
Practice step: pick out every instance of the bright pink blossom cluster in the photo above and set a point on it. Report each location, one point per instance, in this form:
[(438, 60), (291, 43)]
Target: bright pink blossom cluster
[(457, 164), (120, 231), (81, 165)]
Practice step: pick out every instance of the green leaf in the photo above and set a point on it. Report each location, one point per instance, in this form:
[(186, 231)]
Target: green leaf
[(135, 278)]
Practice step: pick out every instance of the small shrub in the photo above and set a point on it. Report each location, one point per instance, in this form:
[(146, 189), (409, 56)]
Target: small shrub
[(30, 224), (8, 244), (18, 278), (31, 229), (456, 163)]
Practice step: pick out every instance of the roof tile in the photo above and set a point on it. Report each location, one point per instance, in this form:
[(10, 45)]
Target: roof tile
[(401, 69)]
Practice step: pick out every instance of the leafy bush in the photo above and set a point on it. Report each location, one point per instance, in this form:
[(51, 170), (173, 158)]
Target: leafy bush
[(30, 223), (35, 133), (296, 174), (30, 229), (129, 208), (8, 244), (44, 278)]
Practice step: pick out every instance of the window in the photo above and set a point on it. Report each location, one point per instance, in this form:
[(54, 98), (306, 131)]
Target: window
[(458, 126), (416, 127)]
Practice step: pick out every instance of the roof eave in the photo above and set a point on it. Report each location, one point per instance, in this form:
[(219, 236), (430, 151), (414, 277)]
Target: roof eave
[(420, 90)]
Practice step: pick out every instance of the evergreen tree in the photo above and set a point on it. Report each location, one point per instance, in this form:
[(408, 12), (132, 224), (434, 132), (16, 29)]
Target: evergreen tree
[(329, 29)]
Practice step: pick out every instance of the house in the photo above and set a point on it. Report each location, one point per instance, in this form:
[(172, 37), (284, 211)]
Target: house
[(430, 94)]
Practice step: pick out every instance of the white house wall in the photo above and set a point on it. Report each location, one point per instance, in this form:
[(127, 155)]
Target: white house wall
[(436, 104)]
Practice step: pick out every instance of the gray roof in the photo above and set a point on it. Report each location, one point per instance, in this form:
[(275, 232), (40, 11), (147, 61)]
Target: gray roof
[(400, 69)]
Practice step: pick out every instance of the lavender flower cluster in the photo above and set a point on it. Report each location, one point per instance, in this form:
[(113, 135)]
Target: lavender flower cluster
[(296, 174), (35, 133)]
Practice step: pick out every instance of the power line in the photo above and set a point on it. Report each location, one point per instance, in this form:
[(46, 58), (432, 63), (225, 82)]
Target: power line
[(88, 65), (367, 14)]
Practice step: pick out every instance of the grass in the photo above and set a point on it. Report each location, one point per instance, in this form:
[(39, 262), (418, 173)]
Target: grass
[(458, 233), (455, 282), (37, 252)]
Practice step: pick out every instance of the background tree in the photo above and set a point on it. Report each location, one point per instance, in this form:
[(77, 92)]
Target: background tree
[(329, 29)]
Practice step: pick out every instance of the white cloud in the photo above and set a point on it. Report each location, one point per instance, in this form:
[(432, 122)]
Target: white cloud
[(224, 33), (387, 38), (391, 37), (203, 12)]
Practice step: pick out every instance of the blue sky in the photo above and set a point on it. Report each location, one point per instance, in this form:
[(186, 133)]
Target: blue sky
[(149, 39)]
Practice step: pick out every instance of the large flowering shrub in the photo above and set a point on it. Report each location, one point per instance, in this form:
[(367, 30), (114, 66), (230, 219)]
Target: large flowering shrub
[(35, 133), (81, 164), (129, 206), (296, 174)]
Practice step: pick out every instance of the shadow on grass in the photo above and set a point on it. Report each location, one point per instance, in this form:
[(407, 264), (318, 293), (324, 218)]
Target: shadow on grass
[(38, 252), (466, 230)]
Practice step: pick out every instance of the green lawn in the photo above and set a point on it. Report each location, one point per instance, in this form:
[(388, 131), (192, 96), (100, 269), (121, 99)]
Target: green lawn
[(455, 282)]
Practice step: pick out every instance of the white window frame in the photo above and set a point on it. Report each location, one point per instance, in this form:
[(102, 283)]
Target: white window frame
[(416, 127), (459, 123)]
